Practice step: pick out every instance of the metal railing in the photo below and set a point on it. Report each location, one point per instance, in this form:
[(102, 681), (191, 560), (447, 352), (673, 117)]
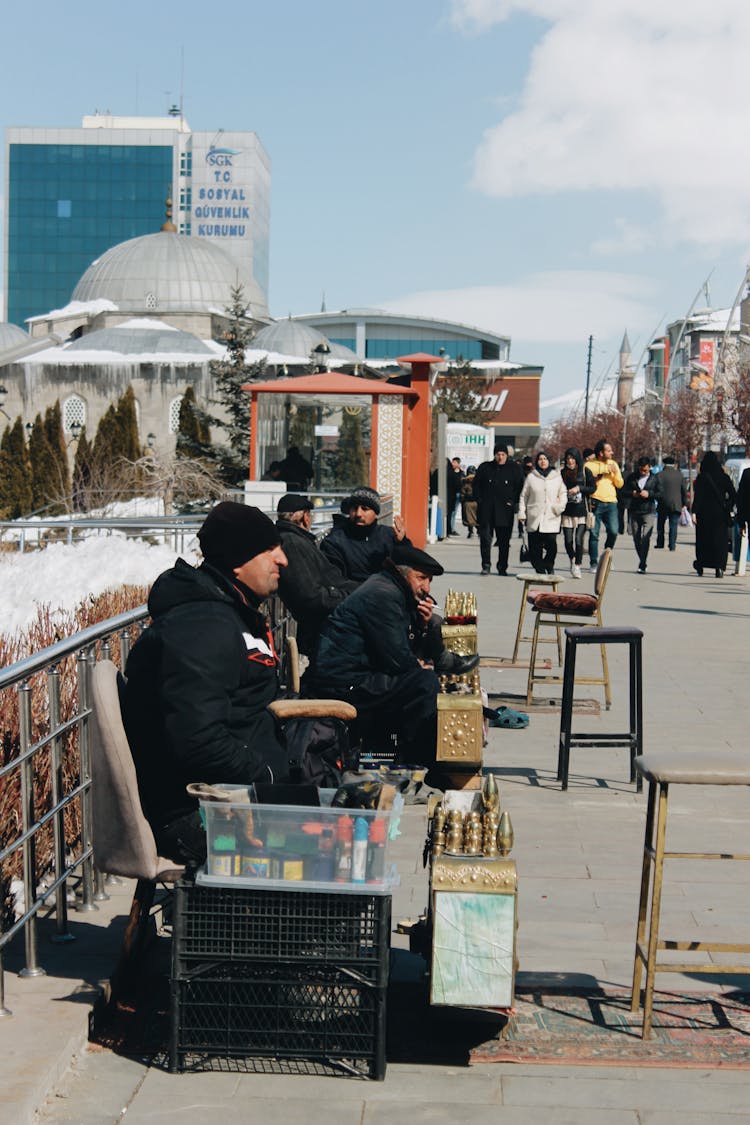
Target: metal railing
[(174, 530), (47, 736)]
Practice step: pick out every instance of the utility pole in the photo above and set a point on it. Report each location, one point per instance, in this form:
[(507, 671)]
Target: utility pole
[(588, 381)]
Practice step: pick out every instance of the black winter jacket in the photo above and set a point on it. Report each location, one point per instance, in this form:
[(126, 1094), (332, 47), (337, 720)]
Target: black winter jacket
[(497, 488), (637, 504), (199, 680), (310, 586), (368, 633), (359, 552)]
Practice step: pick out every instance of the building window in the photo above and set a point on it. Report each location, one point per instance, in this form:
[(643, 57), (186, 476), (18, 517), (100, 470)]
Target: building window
[(64, 209), (185, 228), (151, 301), (186, 163), (186, 198), (174, 414), (73, 413)]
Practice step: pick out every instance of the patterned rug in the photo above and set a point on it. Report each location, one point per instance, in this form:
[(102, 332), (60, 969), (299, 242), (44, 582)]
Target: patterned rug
[(594, 1027)]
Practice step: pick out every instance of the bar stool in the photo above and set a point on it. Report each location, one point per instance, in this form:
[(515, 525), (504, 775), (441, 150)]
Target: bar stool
[(551, 580), (601, 635), (662, 770)]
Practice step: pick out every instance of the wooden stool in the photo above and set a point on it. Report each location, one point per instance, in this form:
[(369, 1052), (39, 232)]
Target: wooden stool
[(551, 580), (661, 770), (601, 635)]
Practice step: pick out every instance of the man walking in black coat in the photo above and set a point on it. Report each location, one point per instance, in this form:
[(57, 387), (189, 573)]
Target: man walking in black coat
[(200, 678), (671, 498), (310, 586), (497, 487)]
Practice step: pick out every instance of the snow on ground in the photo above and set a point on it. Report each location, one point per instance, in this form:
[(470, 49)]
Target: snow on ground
[(62, 575)]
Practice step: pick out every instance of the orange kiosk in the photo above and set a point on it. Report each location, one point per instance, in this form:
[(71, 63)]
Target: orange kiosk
[(345, 427)]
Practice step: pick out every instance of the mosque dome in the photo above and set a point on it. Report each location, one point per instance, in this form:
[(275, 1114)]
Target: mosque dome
[(292, 338), (11, 336), (169, 272), (139, 337)]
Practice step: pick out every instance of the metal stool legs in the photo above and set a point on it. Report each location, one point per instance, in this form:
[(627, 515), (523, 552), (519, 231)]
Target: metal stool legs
[(633, 738)]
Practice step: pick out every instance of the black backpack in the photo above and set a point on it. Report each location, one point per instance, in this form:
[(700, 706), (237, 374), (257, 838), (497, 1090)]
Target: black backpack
[(319, 750)]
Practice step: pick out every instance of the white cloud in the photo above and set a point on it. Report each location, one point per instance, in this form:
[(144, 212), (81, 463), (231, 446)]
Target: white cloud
[(641, 95), (556, 306)]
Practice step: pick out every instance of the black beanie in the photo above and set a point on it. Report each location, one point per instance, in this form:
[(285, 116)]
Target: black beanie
[(232, 534)]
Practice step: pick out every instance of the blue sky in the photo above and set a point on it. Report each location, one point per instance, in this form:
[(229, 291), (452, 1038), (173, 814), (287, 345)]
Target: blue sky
[(547, 169)]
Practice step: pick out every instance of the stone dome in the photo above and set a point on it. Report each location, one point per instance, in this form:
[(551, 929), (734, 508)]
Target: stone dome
[(11, 336), (168, 272), (291, 337), (141, 337)]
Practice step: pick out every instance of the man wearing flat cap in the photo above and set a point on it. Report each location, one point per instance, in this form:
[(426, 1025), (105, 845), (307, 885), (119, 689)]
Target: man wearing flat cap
[(200, 678), (358, 544), (310, 586), (367, 654)]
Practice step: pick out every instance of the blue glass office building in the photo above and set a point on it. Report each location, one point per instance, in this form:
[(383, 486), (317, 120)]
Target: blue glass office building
[(71, 194), (67, 204)]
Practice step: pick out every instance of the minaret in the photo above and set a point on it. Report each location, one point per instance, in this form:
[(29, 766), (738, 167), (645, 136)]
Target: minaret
[(625, 375)]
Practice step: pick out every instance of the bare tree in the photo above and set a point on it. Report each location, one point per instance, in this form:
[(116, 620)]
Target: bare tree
[(180, 482)]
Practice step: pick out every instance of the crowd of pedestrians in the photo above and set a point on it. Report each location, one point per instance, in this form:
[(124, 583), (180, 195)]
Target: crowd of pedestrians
[(589, 493)]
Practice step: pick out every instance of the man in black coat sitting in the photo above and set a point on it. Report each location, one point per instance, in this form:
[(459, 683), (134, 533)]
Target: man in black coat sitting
[(367, 654), (358, 544), (310, 586), (200, 678)]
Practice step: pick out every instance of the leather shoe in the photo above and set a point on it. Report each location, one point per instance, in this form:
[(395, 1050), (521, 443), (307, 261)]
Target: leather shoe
[(451, 664)]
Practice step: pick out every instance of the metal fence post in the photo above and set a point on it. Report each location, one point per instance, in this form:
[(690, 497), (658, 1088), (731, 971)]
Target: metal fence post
[(32, 967), (87, 870), (56, 788)]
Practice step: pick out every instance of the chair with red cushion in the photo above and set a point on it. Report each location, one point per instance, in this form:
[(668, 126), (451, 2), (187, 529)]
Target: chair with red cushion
[(553, 609)]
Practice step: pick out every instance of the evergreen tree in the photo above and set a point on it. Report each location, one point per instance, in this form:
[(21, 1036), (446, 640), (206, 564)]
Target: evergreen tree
[(127, 419), (109, 445), (82, 473), (230, 375), (193, 433), (53, 428), (45, 477), (352, 459), (15, 473)]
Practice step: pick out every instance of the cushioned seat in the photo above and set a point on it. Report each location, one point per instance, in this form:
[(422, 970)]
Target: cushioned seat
[(555, 610), (583, 605), (694, 767)]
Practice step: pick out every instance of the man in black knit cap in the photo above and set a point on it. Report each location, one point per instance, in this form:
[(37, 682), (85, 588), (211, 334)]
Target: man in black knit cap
[(200, 679)]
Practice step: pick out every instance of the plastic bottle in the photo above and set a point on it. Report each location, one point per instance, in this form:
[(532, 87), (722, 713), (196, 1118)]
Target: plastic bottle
[(359, 850), (344, 832), (376, 851)]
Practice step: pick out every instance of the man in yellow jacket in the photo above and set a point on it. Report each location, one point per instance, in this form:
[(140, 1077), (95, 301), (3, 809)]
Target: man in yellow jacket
[(608, 478)]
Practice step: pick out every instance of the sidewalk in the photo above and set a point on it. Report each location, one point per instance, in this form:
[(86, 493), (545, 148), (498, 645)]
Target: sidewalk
[(578, 856)]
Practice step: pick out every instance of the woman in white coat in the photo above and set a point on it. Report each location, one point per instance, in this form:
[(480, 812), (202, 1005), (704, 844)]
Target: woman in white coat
[(541, 506)]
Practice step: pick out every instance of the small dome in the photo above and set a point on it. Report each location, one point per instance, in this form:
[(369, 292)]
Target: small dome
[(140, 337), (11, 336), (291, 337), (169, 272)]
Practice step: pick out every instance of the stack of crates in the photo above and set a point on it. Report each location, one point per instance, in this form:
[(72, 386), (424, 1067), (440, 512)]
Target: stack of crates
[(283, 975)]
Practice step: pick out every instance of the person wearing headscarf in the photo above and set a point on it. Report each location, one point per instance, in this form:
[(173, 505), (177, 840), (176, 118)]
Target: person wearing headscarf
[(543, 500), (714, 498), (580, 484)]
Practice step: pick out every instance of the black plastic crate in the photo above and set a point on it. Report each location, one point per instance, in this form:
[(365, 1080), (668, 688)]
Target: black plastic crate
[(249, 1010), (290, 927)]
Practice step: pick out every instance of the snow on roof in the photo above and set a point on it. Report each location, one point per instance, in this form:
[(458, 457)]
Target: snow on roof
[(75, 308)]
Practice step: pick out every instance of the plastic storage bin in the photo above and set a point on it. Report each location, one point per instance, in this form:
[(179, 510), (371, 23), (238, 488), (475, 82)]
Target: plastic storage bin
[(274, 975), (293, 847)]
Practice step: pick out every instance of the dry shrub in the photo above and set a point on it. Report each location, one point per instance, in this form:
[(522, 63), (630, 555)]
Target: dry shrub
[(44, 631)]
